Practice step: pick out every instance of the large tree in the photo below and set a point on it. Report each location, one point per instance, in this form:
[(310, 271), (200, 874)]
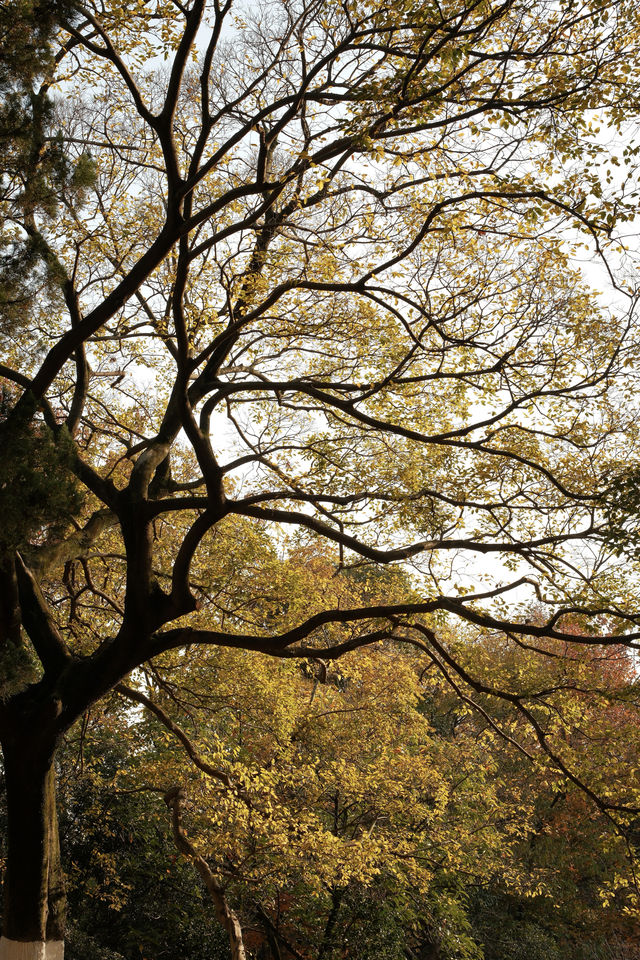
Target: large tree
[(312, 279)]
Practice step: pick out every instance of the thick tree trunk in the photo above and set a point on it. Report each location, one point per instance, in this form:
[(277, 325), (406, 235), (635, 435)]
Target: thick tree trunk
[(34, 896)]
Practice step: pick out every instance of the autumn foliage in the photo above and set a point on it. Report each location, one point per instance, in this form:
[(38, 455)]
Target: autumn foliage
[(320, 458)]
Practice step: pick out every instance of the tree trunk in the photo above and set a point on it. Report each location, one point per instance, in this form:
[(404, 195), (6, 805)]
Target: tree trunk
[(34, 895), (225, 914)]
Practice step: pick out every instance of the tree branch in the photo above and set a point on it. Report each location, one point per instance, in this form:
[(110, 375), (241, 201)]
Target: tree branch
[(38, 621)]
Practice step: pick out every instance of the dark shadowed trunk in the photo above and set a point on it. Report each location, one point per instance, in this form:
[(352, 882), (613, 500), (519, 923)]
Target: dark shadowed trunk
[(34, 896)]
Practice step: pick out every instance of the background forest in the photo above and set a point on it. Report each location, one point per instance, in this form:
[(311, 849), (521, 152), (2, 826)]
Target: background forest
[(378, 819), (319, 487)]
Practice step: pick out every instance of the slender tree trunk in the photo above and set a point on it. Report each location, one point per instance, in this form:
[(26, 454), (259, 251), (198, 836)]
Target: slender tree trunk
[(337, 894), (225, 914), (34, 895)]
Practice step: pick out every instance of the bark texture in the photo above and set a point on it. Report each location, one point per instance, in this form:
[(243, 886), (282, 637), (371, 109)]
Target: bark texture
[(34, 894)]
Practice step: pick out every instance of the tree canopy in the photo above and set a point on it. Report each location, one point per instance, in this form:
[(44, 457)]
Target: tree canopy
[(303, 280)]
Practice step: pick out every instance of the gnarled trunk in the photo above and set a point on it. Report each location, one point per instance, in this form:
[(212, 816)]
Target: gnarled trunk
[(34, 895)]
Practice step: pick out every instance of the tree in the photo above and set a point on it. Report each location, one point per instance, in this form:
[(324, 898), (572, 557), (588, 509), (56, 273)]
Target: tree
[(316, 283), (327, 815), (360, 812), (129, 895), (35, 166)]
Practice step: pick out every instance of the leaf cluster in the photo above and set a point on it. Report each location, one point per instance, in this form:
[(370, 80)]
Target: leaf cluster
[(38, 490)]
